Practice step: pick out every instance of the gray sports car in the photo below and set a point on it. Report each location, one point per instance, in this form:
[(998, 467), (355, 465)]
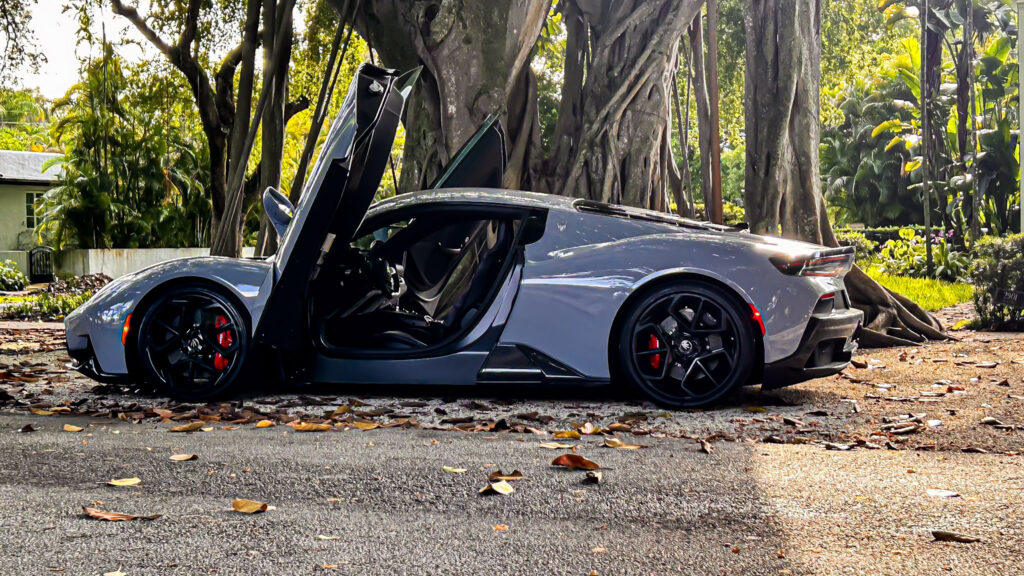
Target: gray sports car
[(467, 284)]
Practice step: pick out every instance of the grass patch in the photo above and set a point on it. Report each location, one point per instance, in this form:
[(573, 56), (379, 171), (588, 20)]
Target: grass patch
[(929, 294)]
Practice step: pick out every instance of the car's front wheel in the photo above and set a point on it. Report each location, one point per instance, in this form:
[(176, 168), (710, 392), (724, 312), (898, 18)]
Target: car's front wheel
[(192, 343), (686, 345)]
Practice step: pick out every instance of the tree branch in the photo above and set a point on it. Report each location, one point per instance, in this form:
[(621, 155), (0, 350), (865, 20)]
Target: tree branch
[(136, 19), (188, 34), (294, 107)]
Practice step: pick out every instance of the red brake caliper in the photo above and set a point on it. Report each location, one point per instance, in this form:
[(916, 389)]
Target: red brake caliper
[(653, 344), (224, 339)]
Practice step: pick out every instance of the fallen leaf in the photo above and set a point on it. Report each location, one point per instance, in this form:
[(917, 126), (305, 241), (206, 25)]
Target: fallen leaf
[(945, 536), (125, 482), (617, 443), (27, 428), (265, 424), (589, 429), (599, 550), (990, 421), (755, 409), (248, 506), (41, 412), (942, 493), (557, 445), (986, 364), (114, 516), (184, 457), (501, 527), (72, 428), (706, 447), (574, 462), (322, 537), (299, 426), (498, 476), (365, 425), (567, 434), (190, 427), (592, 477), (502, 487), (452, 470), (115, 573)]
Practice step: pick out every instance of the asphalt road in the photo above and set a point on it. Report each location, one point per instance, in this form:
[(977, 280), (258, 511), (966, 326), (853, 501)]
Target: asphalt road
[(378, 502)]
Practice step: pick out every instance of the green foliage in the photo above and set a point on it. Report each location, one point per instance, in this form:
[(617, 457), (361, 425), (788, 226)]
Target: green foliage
[(45, 306), (11, 278), (133, 162), (928, 293), (907, 257), (24, 115), (732, 214), (864, 249), (999, 266)]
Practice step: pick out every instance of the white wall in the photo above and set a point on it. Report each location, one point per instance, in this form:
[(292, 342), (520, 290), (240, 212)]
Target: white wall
[(120, 261)]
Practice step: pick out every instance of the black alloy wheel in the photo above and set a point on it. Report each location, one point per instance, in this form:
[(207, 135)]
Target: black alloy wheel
[(687, 345), (192, 343)]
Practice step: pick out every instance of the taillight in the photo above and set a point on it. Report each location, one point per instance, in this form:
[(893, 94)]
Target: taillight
[(831, 263)]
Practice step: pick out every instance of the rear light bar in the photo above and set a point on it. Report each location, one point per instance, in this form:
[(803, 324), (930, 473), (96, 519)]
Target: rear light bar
[(831, 263)]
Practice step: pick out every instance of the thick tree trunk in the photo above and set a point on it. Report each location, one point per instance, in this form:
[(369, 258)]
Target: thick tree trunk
[(783, 186), (705, 138), (468, 73), (619, 153), (684, 195)]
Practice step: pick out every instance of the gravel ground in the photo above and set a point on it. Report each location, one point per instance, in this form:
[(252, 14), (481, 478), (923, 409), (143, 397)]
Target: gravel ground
[(379, 502)]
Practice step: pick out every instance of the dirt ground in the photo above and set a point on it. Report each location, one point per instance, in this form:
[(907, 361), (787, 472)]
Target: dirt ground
[(963, 395)]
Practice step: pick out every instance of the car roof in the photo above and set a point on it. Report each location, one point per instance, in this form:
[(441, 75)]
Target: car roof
[(488, 196)]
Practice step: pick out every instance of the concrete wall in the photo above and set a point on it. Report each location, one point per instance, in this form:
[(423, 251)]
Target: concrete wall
[(120, 261), (19, 257)]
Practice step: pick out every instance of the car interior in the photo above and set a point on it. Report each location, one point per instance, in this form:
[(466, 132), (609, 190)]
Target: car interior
[(412, 284)]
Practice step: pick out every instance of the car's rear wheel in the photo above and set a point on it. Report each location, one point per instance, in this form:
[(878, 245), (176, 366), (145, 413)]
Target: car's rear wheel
[(192, 343), (686, 345)]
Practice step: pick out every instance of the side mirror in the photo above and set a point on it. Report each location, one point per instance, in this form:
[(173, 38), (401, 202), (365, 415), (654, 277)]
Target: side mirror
[(279, 209)]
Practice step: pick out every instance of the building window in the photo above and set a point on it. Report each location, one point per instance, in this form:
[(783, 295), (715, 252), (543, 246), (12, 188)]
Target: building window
[(31, 198)]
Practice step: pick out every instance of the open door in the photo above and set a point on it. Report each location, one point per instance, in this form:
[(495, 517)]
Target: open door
[(481, 161), (332, 206)]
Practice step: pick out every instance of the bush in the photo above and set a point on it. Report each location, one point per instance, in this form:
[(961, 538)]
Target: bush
[(908, 257), (45, 306), (999, 266), (864, 249), (11, 278), (732, 214)]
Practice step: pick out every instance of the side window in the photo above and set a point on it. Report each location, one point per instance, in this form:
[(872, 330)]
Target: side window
[(31, 198), (382, 234)]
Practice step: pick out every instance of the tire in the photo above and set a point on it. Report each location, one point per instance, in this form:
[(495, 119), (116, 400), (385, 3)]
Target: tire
[(686, 344), (192, 343)]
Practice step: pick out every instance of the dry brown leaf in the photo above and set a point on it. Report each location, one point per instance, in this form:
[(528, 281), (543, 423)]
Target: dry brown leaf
[(329, 566), (557, 445), (125, 482), (365, 425), (501, 527), (592, 477), (27, 428), (755, 409), (115, 573), (453, 470), (114, 516), (617, 443), (588, 429), (248, 506), (265, 424), (72, 428), (574, 462), (706, 447), (498, 476), (945, 536), (184, 457), (567, 434), (190, 427), (322, 537), (41, 412), (300, 426), (502, 487)]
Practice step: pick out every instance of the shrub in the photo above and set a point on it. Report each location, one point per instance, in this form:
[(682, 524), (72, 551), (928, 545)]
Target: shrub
[(45, 306), (908, 257), (999, 266), (732, 214), (11, 278), (864, 249)]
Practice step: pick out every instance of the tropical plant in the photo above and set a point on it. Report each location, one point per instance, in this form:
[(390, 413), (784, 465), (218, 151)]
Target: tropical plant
[(907, 257), (999, 267), (130, 176), (11, 277)]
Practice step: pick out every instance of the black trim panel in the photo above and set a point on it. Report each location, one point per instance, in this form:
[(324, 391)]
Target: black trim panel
[(826, 348)]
